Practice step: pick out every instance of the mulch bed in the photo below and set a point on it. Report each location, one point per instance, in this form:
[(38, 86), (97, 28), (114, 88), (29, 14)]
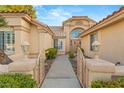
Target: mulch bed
[(74, 64), (48, 64)]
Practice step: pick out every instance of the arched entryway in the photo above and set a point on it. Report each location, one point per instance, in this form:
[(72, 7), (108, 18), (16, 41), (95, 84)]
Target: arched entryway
[(72, 28), (75, 41)]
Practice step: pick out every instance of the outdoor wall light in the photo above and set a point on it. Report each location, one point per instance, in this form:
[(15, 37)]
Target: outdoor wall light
[(25, 46), (96, 46)]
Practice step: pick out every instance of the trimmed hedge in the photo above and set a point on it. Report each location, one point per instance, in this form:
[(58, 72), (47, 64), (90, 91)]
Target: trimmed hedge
[(118, 83), (71, 54), (51, 53), (16, 80)]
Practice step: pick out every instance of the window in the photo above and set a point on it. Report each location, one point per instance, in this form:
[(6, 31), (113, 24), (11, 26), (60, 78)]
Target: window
[(61, 45), (93, 37), (7, 40), (75, 33), (58, 43)]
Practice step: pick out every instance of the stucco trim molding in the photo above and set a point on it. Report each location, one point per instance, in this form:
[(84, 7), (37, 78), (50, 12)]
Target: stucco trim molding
[(42, 31), (21, 28), (6, 29), (98, 65)]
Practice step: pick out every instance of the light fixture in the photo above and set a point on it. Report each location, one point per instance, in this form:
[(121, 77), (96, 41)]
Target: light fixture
[(96, 46), (25, 46)]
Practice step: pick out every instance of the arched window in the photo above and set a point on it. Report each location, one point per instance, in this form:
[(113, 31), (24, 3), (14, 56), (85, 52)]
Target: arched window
[(75, 33)]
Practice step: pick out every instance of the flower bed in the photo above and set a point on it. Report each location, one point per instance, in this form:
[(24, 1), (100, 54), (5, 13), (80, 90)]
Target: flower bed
[(51, 54), (48, 64)]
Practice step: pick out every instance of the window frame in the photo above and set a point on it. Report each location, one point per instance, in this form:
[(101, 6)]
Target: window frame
[(5, 41), (92, 35)]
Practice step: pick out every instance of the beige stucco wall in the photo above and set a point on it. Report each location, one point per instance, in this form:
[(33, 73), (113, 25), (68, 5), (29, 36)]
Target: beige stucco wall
[(45, 41), (16, 21), (85, 44), (34, 41), (21, 30), (71, 25), (25, 24), (67, 39), (25, 31), (89, 70), (67, 30), (111, 39)]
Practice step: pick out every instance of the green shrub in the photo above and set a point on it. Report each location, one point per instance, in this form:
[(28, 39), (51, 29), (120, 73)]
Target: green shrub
[(97, 84), (71, 55), (51, 53), (118, 83), (16, 80), (121, 82)]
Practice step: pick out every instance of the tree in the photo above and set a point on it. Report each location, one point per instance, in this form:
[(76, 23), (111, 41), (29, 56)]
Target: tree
[(2, 21), (28, 8)]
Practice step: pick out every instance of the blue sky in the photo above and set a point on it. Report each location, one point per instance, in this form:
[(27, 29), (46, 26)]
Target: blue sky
[(56, 14)]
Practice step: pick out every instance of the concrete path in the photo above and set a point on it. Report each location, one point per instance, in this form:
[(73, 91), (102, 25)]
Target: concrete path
[(61, 75)]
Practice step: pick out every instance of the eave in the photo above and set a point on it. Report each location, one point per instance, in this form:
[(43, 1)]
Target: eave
[(110, 19)]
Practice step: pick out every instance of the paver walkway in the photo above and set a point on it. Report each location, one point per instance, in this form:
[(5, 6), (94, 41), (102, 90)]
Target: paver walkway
[(61, 75)]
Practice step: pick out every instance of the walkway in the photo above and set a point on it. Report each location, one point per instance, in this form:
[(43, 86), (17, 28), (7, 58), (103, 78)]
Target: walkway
[(61, 75)]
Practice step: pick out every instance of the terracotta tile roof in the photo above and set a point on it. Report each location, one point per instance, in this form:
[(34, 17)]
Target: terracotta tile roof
[(6, 11), (21, 11), (40, 23), (58, 31), (80, 17), (33, 21), (25, 12), (114, 13)]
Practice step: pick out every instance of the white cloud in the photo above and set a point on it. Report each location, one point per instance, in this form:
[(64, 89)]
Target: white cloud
[(75, 9), (59, 12), (56, 16)]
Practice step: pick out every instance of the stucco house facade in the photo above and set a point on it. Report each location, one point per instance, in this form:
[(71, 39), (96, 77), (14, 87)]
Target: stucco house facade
[(109, 33), (22, 29), (66, 36)]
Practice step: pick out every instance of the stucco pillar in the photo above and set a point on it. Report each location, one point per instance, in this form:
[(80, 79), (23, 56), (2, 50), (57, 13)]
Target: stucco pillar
[(41, 41), (18, 49), (67, 40)]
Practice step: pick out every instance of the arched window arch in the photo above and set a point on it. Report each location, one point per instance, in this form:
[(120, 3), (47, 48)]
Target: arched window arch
[(75, 33)]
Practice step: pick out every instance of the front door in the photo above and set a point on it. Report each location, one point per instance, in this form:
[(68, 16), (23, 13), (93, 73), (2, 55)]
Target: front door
[(59, 44)]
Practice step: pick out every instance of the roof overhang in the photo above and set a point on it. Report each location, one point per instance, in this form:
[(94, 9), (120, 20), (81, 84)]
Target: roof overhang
[(59, 37), (111, 19), (27, 18), (78, 18)]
